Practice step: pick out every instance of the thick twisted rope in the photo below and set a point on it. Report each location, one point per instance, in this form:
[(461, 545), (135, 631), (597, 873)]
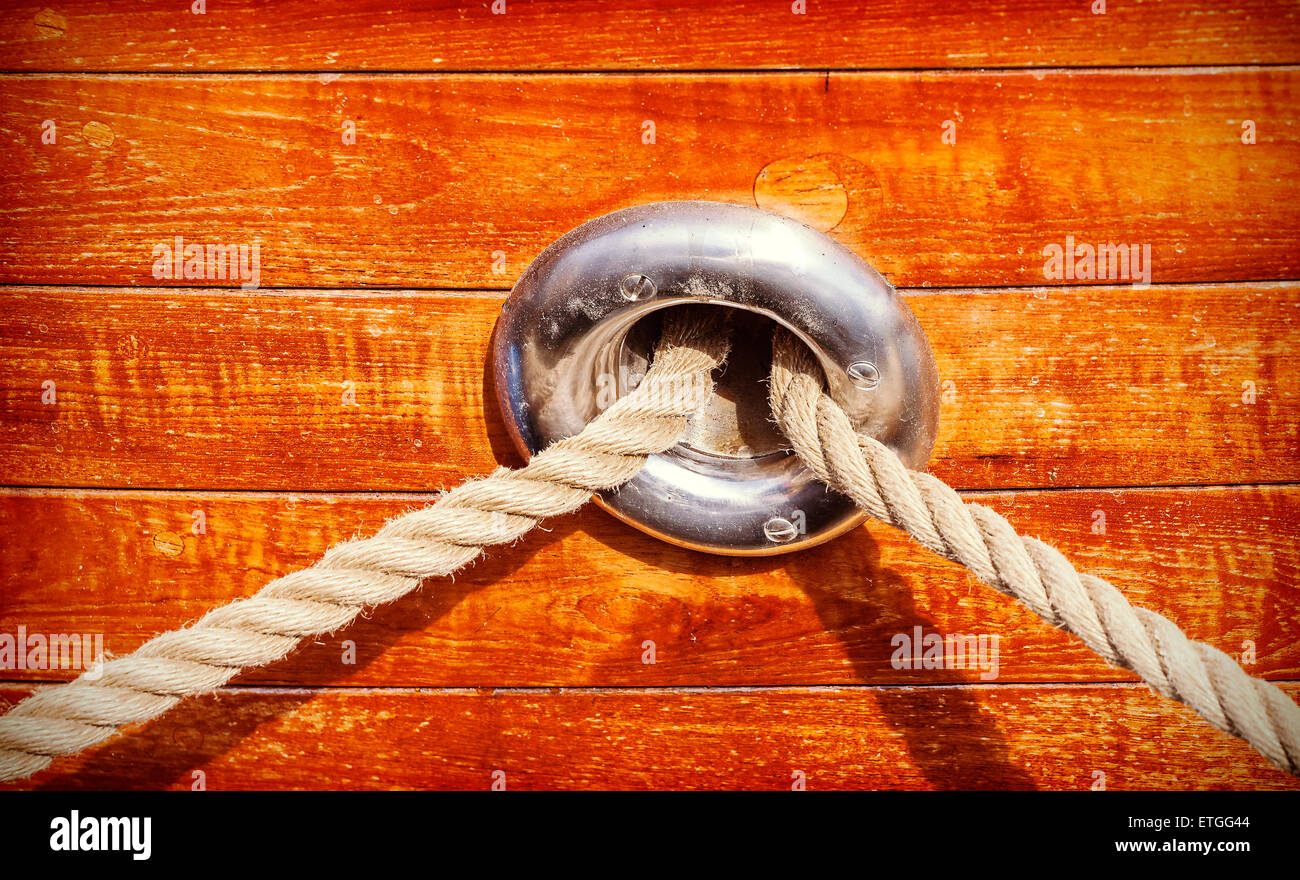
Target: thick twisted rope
[(870, 473), (611, 450), (355, 575)]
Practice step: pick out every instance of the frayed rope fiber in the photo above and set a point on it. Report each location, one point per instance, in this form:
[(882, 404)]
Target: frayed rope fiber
[(870, 473)]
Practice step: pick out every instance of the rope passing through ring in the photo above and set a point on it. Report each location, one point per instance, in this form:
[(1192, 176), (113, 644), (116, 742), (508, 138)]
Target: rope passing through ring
[(502, 507)]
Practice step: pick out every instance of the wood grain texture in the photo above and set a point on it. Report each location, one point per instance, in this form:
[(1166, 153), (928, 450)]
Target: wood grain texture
[(575, 606), (460, 180), (638, 34), (952, 737), (1043, 387), (165, 450)]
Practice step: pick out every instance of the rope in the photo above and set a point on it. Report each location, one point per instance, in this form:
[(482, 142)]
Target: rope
[(870, 473), (611, 450), (354, 575)]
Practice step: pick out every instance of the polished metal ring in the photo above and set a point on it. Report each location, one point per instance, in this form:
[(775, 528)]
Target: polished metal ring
[(578, 329)]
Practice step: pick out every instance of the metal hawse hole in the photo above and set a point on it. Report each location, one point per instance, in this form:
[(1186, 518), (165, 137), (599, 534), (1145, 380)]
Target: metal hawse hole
[(586, 313)]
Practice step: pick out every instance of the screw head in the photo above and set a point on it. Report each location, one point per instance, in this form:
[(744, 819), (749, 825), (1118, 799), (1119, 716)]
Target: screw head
[(864, 375), (780, 530), (636, 287)]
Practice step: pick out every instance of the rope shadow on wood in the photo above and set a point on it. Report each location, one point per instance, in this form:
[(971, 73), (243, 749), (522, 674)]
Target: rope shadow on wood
[(960, 749)]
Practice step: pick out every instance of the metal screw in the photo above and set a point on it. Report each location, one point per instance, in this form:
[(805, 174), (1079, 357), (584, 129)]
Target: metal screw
[(780, 530), (636, 287), (864, 375)]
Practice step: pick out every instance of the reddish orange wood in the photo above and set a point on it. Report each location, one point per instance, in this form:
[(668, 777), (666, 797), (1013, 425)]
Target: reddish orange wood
[(575, 606), (459, 181), (1040, 736), (765, 670), (642, 34), (206, 390)]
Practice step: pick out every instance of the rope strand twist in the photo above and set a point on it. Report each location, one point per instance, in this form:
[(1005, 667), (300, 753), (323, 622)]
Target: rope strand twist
[(612, 449), (1142, 641), (352, 576)]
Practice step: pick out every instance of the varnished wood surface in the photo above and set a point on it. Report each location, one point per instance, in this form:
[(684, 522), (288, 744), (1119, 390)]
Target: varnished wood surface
[(576, 605), (1149, 432), (1098, 386), (639, 34), (460, 180), (1040, 736)]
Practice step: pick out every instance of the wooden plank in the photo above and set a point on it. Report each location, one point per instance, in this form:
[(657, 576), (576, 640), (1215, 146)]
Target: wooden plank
[(177, 379), (578, 604), (638, 34), (958, 737), (460, 180), (1116, 387), (1045, 387)]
